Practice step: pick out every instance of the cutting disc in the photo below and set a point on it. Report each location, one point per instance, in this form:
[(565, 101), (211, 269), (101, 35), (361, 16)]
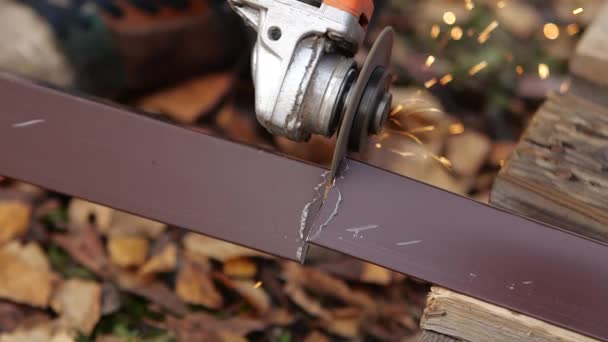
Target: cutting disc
[(379, 56)]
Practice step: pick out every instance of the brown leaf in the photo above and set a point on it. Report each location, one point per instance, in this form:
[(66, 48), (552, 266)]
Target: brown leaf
[(126, 251), (325, 284), (500, 152), (195, 286), (14, 220), (78, 303), (356, 270), (25, 275), (13, 315), (239, 126), (279, 316), (238, 325), (153, 290), (344, 324), (50, 331), (165, 261), (109, 221), (85, 246), (317, 150), (217, 249), (188, 100), (110, 298), (316, 336), (82, 213), (240, 268), (296, 293), (467, 152), (251, 293), (124, 224), (375, 274)]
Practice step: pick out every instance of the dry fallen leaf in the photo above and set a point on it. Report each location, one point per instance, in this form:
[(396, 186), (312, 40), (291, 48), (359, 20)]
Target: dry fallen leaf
[(252, 294), (153, 290), (216, 249), (109, 221), (240, 268), (356, 270), (188, 100), (195, 286), (126, 251), (316, 336), (124, 224), (78, 303), (14, 220), (346, 323), (45, 332), (25, 275), (467, 152), (82, 213), (237, 325), (310, 305), (165, 261), (13, 315), (85, 246), (322, 283)]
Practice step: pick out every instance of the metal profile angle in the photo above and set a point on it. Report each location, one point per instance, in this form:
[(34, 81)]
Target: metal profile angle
[(255, 198)]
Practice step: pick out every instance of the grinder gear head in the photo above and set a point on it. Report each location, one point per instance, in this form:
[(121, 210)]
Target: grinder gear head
[(303, 68)]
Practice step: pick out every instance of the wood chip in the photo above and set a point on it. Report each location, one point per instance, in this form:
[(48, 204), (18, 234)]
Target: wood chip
[(25, 275), (14, 220), (467, 152), (165, 261), (78, 303), (240, 268), (217, 249), (126, 251), (195, 286)]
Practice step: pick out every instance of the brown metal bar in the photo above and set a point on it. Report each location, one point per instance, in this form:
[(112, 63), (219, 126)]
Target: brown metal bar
[(154, 169), (255, 198), (469, 247)]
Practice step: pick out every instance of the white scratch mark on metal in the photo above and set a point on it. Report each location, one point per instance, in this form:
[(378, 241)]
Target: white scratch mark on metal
[(527, 282), (511, 287), (306, 209), (357, 230), (335, 212), (472, 275), (406, 243), (28, 123)]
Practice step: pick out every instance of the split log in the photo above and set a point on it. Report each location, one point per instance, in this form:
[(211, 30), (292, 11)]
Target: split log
[(558, 174), (451, 317), (590, 61)]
